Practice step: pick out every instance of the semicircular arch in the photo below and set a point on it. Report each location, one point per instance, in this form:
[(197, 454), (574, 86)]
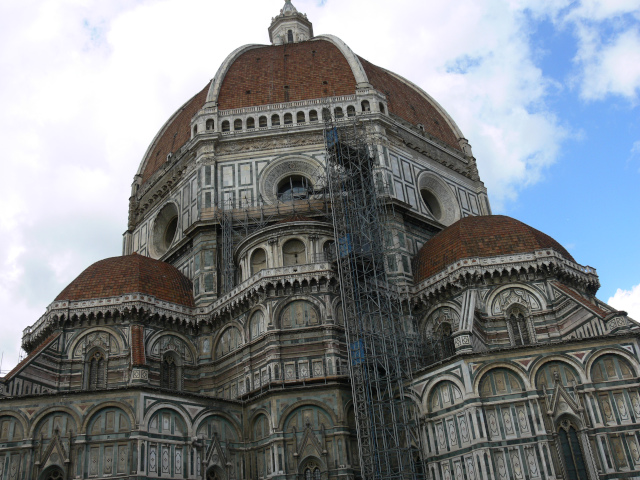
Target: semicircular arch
[(301, 403), (631, 360), (95, 409), (517, 369), (573, 363)]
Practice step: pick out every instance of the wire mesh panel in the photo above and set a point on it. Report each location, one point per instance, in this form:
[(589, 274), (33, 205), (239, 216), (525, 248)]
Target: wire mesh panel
[(380, 360)]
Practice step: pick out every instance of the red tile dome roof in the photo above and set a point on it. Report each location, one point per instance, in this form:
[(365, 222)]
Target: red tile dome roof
[(134, 273), (485, 236), (272, 74)]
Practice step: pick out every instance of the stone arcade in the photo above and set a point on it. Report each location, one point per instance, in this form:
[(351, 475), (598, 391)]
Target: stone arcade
[(171, 362)]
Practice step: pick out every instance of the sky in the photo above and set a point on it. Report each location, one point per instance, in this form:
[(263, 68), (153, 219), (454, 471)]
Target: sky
[(546, 91)]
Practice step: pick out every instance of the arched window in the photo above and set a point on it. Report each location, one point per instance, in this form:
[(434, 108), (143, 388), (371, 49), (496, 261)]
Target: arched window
[(571, 451), (225, 126), (300, 117), (312, 475), (518, 328), (288, 119), (258, 261), (381, 107), (195, 130), (326, 114), (262, 122), (351, 111), (210, 124), (237, 124), (444, 341), (275, 120), (251, 123), (313, 116), (365, 106), (97, 371), (295, 187), (293, 253), (290, 36), (338, 112), (257, 324), (169, 372)]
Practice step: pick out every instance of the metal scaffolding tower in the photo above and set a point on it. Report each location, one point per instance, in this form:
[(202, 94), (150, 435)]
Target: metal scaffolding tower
[(377, 323)]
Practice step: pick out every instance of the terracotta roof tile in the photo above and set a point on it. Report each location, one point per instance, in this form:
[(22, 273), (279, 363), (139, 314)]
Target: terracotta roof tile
[(30, 357), (286, 73), (409, 104), (485, 236), (177, 132), (130, 274)]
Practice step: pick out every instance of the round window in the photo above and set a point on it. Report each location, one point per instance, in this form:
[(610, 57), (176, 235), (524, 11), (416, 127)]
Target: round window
[(432, 203), (165, 228), (295, 187)]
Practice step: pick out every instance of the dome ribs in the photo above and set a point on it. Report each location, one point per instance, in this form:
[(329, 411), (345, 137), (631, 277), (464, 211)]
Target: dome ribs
[(409, 104)]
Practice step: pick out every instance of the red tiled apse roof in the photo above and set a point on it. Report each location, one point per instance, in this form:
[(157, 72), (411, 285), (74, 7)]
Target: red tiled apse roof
[(484, 236), (134, 273)]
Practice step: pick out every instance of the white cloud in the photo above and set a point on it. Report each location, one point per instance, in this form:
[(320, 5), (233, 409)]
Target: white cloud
[(628, 301)]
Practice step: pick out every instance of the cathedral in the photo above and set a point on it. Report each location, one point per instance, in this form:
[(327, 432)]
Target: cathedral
[(216, 346)]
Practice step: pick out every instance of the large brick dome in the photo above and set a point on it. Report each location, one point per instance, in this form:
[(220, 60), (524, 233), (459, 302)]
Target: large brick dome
[(128, 274), (480, 237), (322, 67)]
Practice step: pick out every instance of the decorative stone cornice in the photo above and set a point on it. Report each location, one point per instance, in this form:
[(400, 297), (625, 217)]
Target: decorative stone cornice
[(59, 311), (473, 270)]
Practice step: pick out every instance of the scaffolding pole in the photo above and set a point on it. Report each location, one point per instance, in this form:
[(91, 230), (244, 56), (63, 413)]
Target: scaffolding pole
[(377, 322)]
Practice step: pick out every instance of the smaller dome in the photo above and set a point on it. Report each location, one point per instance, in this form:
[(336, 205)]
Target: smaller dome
[(481, 237), (116, 276)]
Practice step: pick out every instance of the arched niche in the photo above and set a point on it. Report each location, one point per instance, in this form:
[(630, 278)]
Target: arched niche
[(294, 252), (307, 414), (499, 382), (260, 427), (219, 427), (258, 260), (11, 429), (556, 371), (444, 395), (299, 313), (257, 324), (55, 422), (228, 341), (610, 367), (111, 421), (168, 423)]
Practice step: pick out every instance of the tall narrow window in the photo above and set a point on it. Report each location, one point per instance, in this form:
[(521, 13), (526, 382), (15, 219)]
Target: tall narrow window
[(313, 116), (365, 106), (571, 452), (97, 371), (519, 329), (262, 122), (290, 36), (351, 111), (275, 120), (168, 373), (288, 119), (300, 117)]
